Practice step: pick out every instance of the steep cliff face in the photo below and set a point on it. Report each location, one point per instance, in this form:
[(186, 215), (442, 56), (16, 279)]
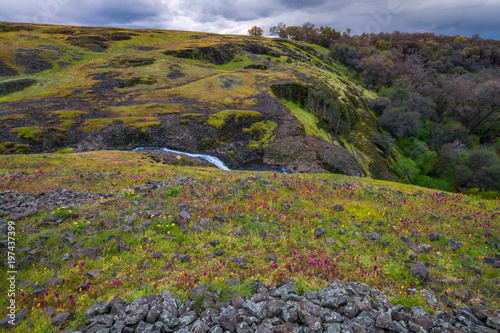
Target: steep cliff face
[(237, 97)]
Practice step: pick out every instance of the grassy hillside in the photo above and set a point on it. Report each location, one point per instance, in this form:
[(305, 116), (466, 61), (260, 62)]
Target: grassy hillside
[(107, 88), (190, 232)]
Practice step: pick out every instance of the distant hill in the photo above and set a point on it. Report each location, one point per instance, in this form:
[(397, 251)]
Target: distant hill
[(239, 98)]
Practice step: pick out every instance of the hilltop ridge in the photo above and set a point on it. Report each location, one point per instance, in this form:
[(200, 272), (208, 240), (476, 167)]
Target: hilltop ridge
[(239, 98)]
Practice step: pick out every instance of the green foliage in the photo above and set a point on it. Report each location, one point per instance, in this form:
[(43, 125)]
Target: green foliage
[(64, 151), (308, 121), (255, 31), (69, 114), (63, 211), (405, 168), (460, 39), (165, 225), (34, 133), (218, 120), (318, 103), (426, 161), (172, 192), (383, 45), (81, 225), (192, 115), (435, 183), (143, 123), (489, 177), (209, 143), (262, 131), (97, 124), (66, 123), (7, 148)]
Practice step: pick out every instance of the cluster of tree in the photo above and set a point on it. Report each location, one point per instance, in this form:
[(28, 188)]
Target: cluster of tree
[(308, 32), (440, 99), (440, 103)]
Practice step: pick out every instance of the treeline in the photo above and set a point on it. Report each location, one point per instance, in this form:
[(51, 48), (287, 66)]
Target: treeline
[(439, 100)]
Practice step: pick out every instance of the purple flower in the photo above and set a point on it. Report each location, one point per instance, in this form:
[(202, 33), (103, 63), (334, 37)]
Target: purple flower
[(275, 265), (22, 293), (56, 294), (140, 278), (46, 293), (375, 267), (70, 296), (83, 263), (204, 273), (294, 252)]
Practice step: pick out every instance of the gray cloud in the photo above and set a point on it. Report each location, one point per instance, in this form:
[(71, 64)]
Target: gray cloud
[(237, 16)]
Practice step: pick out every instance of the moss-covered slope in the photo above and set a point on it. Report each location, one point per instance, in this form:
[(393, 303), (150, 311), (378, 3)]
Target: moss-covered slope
[(252, 97)]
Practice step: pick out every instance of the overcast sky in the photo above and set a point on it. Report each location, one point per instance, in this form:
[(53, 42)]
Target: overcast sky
[(449, 17)]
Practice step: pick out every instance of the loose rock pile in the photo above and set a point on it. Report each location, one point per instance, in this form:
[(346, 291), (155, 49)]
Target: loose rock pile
[(353, 308), (22, 204)]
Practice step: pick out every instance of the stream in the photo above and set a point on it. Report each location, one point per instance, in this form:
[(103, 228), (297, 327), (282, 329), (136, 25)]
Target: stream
[(256, 165), (210, 159)]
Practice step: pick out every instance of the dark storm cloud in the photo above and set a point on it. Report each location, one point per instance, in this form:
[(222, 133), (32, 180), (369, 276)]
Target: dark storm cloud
[(237, 16), (90, 12)]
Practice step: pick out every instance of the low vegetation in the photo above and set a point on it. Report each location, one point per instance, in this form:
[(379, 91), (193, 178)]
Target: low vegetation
[(218, 120), (320, 227)]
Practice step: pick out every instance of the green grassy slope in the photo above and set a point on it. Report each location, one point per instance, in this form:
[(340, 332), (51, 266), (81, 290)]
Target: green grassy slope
[(265, 214)]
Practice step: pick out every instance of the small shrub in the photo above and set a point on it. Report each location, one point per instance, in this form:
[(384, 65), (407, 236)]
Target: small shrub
[(172, 192), (209, 143), (64, 151), (34, 134)]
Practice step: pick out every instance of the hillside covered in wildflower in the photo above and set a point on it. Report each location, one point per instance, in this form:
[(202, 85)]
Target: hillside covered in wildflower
[(99, 225)]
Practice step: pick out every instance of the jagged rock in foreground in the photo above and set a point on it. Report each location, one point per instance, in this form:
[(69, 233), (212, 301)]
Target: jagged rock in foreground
[(354, 308)]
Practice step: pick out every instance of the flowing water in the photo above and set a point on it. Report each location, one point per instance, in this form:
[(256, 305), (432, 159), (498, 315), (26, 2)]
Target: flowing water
[(256, 165), (210, 159), (259, 165)]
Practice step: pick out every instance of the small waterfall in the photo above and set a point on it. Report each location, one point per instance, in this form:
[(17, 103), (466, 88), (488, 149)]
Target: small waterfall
[(210, 159)]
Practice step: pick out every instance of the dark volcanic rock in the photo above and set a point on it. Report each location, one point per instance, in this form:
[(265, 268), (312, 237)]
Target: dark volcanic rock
[(8, 87), (454, 244), (98, 309), (419, 271), (434, 236), (31, 61), (319, 232), (281, 310), (6, 70), (60, 318)]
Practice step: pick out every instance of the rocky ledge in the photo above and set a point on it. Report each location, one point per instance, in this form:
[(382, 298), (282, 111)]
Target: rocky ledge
[(22, 204), (352, 307)]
